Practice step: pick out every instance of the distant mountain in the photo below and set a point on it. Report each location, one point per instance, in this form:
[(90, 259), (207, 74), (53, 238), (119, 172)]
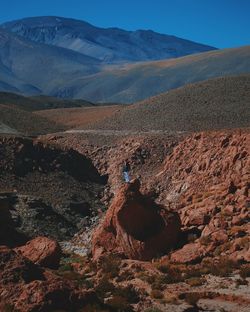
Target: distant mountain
[(213, 104), (109, 45), (33, 68), (30, 67)]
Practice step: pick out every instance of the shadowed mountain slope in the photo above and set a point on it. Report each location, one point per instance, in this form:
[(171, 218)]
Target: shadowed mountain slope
[(212, 104)]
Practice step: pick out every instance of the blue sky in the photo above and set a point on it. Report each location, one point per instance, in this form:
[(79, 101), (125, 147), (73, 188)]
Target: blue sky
[(220, 23)]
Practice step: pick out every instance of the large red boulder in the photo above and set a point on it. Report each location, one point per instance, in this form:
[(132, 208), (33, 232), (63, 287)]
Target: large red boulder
[(43, 251), (136, 226)]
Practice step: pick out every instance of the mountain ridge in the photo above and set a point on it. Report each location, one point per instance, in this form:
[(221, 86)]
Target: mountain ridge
[(34, 68), (109, 45)]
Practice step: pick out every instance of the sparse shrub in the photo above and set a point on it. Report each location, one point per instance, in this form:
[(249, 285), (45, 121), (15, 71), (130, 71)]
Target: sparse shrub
[(195, 281), (205, 240), (207, 194), (157, 286), (110, 265), (197, 197), (119, 303), (163, 268), (149, 278), (127, 292), (79, 279), (171, 299), (192, 298), (174, 275), (66, 263), (103, 287), (240, 282), (244, 271), (125, 276), (192, 272), (244, 242), (65, 267), (153, 310), (160, 281), (223, 267), (222, 285), (222, 248), (156, 294), (93, 308), (8, 308), (238, 230), (70, 275)]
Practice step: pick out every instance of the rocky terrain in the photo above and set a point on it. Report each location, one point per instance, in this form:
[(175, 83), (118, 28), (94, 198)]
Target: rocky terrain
[(53, 191), (201, 179)]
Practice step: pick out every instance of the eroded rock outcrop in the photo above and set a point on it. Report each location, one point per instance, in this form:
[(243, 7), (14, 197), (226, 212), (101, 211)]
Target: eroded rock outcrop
[(136, 226), (43, 251), (208, 183)]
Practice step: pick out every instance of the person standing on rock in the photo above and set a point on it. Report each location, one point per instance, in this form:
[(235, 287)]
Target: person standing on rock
[(125, 171)]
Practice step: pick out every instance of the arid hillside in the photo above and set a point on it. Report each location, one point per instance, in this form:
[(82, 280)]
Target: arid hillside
[(79, 117), (213, 104)]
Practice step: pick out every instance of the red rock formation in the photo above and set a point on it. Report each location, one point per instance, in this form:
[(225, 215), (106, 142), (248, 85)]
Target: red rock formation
[(43, 251), (190, 253), (26, 287), (136, 226)]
